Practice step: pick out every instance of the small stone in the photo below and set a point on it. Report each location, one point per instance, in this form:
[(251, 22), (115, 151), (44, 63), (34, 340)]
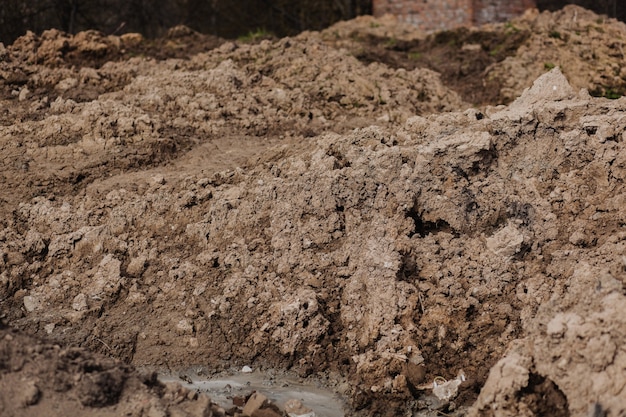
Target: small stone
[(49, 328), (158, 179), (24, 92), (295, 408), (255, 402), (506, 242), (31, 303), (246, 369), (578, 238), (80, 302), (136, 266), (449, 389), (184, 326)]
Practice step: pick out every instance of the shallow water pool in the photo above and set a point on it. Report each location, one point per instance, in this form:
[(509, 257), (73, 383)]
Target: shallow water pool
[(278, 389)]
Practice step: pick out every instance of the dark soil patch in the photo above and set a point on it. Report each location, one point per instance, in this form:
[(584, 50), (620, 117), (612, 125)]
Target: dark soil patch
[(461, 56), (180, 42), (544, 397)]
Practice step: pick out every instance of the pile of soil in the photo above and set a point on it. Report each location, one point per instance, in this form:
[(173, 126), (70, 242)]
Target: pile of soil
[(493, 64), (284, 204)]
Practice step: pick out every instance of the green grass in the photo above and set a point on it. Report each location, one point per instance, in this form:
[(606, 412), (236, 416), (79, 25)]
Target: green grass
[(548, 65), (555, 34), (510, 28), (255, 35), (391, 42), (495, 51), (611, 94), (606, 92)]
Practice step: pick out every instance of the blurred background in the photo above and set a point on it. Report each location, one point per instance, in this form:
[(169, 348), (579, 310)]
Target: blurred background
[(225, 18)]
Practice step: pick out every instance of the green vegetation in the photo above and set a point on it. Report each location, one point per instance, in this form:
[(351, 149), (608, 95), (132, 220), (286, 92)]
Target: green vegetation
[(510, 28), (611, 94), (606, 92), (555, 34), (391, 42), (495, 51), (256, 35), (414, 56), (548, 65)]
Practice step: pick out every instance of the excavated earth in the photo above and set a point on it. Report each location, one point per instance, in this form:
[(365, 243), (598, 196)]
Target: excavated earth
[(384, 210)]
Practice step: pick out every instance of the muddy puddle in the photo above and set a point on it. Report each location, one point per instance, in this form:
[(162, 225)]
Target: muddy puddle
[(278, 389)]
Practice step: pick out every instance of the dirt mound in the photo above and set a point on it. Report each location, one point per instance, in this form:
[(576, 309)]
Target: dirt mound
[(493, 64), (91, 48), (141, 113), (589, 49), (285, 205)]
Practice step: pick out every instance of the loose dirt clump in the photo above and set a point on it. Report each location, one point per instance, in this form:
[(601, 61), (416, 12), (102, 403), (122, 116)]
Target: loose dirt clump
[(286, 205)]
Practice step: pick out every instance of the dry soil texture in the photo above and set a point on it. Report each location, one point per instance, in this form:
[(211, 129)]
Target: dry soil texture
[(296, 204)]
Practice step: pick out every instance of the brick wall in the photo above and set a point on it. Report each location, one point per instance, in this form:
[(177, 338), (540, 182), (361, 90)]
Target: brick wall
[(432, 15), (486, 11)]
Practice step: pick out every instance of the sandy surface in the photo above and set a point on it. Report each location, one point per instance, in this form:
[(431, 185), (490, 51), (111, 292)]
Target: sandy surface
[(429, 224)]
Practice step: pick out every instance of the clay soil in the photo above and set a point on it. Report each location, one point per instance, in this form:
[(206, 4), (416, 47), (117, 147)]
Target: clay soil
[(369, 205)]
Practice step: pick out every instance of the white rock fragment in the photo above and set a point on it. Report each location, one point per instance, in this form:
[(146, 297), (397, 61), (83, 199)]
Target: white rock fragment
[(107, 279), (246, 369), (24, 92), (184, 326), (158, 179), (31, 303), (295, 408), (449, 389), (80, 302), (506, 242)]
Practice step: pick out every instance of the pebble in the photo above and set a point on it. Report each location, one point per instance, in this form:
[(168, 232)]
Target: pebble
[(80, 302), (31, 303), (255, 402), (295, 408)]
